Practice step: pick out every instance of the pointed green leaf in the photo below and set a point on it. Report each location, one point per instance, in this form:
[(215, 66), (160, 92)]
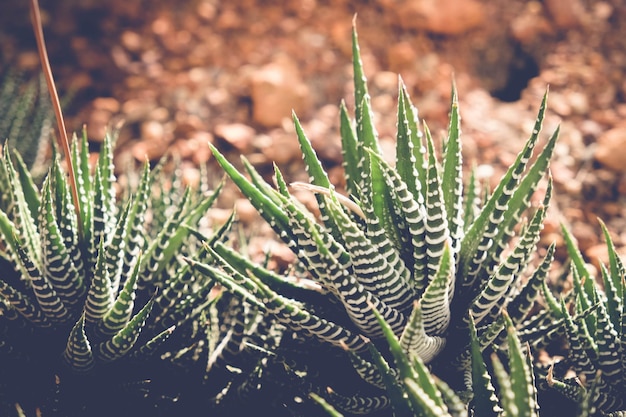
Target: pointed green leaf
[(397, 394), (78, 352), (350, 152), (452, 175), (479, 237), (416, 342), (521, 375), (125, 339), (436, 299), (58, 265), (410, 151), (100, 295), (29, 190), (118, 315), (328, 408), (485, 401)]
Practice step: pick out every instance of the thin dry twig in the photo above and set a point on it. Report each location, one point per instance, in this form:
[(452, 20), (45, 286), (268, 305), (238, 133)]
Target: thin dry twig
[(35, 16), (321, 190)]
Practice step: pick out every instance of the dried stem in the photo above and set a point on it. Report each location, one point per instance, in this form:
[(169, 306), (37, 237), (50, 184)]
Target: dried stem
[(35, 16), (325, 191)]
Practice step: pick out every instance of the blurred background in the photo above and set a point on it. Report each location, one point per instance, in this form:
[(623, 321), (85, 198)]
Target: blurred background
[(181, 74)]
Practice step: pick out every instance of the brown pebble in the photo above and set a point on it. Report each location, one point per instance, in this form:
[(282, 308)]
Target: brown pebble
[(610, 149), (238, 135)]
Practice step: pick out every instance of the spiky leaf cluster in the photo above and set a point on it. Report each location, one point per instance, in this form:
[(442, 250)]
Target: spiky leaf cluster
[(592, 319), (26, 117), (414, 390), (412, 242), (102, 288)]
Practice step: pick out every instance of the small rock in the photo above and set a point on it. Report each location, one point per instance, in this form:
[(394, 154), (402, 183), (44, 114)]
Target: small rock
[(599, 254), (566, 14), (401, 56), (579, 102), (97, 125), (152, 130), (280, 147), (586, 236), (444, 17), (237, 134), (326, 144), (160, 114), (103, 109), (218, 216), (107, 103), (207, 10), (531, 24), (229, 19), (195, 148), (282, 257), (246, 213), (385, 82), (191, 176), (610, 149), (154, 141), (276, 90), (621, 185), (131, 40), (137, 109), (28, 60), (148, 150), (569, 102)]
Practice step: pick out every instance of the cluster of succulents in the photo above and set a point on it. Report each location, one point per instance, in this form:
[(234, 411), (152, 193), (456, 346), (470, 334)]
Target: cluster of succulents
[(414, 292), (407, 243), (91, 288)]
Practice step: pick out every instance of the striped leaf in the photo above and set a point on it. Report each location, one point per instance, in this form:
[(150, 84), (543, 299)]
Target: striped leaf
[(484, 399), (58, 265), (286, 311), (411, 168), (452, 175), (479, 237), (437, 229), (411, 224), (100, 297), (494, 295), (27, 307), (78, 353), (124, 340), (613, 280), (436, 299), (416, 342), (52, 306), (522, 303), (422, 390), (85, 186), (19, 211), (120, 311), (114, 251), (379, 273), (350, 152)]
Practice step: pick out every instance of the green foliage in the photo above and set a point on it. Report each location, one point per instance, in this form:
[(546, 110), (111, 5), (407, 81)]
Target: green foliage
[(95, 304), (26, 117), (405, 245), (593, 322), (411, 295)]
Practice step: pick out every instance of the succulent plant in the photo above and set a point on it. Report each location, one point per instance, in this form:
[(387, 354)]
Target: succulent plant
[(411, 294), (414, 243), (87, 295), (593, 373)]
